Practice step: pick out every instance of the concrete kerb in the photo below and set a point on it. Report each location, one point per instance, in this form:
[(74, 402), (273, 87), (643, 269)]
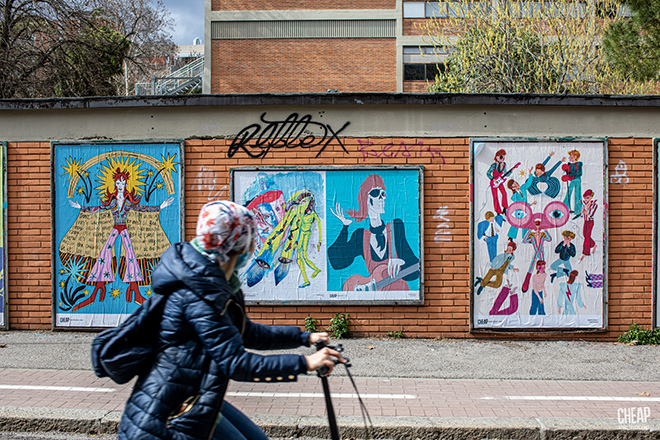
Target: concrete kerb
[(98, 422), (30, 419)]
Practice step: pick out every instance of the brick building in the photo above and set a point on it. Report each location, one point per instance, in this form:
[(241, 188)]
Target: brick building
[(316, 47), (440, 135)]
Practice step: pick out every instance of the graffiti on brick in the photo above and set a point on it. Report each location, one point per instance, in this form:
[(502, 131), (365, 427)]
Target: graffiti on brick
[(296, 131), (442, 232), (206, 181), (619, 176), (401, 149)]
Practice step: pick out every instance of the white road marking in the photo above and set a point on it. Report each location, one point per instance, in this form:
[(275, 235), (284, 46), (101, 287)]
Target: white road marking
[(51, 388), (320, 395), (576, 398)]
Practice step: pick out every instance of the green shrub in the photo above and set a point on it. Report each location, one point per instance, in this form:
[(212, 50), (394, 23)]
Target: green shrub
[(637, 335), (396, 334), (339, 326), (310, 324)]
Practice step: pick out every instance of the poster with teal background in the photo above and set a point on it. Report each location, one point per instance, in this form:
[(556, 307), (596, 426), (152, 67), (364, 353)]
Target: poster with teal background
[(116, 208), (332, 235)]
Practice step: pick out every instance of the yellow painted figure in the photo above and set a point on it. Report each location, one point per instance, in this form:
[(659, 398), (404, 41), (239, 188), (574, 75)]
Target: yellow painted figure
[(289, 241)]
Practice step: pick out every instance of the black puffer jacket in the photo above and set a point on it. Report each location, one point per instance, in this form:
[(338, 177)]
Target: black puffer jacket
[(206, 326)]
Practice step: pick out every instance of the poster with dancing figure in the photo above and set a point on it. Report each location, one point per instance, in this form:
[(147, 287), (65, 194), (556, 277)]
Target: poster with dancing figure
[(332, 235), (116, 208), (539, 228)]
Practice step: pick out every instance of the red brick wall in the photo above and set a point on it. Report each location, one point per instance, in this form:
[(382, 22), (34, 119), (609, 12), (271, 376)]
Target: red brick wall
[(285, 5), (303, 65), (446, 310), (415, 86), (28, 235)]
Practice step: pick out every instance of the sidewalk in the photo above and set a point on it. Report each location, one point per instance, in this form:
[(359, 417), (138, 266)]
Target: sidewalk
[(412, 389)]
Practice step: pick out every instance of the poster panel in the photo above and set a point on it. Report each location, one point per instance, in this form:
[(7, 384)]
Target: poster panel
[(333, 235), (538, 235), (116, 208), (3, 238), (656, 242)]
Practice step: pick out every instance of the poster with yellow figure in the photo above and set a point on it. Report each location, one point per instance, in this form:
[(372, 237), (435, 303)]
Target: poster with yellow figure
[(116, 210)]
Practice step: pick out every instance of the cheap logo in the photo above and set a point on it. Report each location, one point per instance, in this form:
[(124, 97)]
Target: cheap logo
[(633, 415)]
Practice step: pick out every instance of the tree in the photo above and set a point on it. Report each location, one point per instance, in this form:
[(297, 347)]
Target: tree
[(147, 26), (525, 47), (74, 47), (633, 46)]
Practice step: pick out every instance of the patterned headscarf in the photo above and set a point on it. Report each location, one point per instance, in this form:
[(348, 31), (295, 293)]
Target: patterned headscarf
[(222, 227)]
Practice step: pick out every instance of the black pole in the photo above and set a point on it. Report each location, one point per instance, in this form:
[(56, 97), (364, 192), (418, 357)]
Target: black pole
[(332, 421)]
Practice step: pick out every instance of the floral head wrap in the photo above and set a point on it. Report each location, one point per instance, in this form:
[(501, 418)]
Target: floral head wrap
[(222, 227)]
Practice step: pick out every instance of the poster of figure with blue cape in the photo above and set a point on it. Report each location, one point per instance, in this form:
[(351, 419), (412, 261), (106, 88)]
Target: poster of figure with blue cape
[(117, 208), (539, 213), (332, 235)]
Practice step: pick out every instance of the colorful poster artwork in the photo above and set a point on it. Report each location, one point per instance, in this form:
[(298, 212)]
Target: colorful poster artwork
[(539, 211), (116, 210), (3, 297), (332, 235)]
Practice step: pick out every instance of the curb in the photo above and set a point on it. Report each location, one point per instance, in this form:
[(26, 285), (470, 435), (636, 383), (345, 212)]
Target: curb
[(97, 422)]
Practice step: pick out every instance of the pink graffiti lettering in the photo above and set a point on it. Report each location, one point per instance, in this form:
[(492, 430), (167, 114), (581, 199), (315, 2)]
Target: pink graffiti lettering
[(392, 150)]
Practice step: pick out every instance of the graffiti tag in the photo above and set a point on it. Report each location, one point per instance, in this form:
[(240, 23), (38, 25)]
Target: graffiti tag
[(620, 176), (293, 132), (369, 149), (207, 181), (442, 229)]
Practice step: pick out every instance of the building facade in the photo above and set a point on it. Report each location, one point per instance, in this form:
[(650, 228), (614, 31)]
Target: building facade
[(317, 47)]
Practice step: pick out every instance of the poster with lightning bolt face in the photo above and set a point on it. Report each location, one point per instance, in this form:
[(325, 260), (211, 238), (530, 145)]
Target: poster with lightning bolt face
[(539, 234), (116, 208)]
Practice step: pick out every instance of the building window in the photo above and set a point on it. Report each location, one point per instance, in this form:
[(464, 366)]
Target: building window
[(421, 72), (413, 10)]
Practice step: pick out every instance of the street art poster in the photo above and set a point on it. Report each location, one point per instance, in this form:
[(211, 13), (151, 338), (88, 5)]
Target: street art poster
[(117, 208), (332, 235), (3, 295), (538, 235)]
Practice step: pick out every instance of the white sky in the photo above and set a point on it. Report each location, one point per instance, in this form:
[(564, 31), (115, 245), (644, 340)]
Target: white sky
[(188, 18)]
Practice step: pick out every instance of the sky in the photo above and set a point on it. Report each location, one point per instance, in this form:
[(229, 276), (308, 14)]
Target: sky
[(188, 18)]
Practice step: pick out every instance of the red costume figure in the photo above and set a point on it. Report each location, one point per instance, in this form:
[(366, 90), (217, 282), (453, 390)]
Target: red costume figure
[(496, 174)]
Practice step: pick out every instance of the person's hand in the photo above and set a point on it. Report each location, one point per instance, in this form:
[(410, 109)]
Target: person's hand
[(515, 269), (74, 204), (394, 266), (563, 159), (552, 153), (315, 337), (325, 357), (339, 213), (318, 247), (167, 202)]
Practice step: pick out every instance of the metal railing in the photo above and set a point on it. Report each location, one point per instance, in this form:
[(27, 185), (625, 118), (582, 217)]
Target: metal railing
[(179, 82)]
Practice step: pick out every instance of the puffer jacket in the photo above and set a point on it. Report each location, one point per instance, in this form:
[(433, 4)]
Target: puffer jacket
[(206, 331)]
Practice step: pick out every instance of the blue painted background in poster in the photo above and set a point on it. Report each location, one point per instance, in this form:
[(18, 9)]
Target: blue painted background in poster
[(117, 208), (356, 194)]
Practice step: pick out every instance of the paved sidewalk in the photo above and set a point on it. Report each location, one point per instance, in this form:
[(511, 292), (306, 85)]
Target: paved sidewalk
[(403, 404)]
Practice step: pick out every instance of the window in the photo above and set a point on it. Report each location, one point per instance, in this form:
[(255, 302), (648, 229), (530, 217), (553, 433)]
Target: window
[(421, 72), (413, 10)]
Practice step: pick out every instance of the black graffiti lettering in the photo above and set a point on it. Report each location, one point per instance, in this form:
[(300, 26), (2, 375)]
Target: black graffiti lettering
[(292, 132)]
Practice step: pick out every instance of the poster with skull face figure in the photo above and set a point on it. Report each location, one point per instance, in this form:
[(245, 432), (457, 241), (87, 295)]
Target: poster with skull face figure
[(332, 236), (538, 235)]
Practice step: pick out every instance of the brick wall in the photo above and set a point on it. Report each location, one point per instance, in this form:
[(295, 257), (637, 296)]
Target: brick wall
[(446, 310), (285, 5), (28, 235), (303, 65)]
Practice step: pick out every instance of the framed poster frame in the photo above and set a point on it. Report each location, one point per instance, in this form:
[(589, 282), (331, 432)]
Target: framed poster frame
[(55, 245), (4, 316), (418, 300), (472, 232), (656, 246)]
